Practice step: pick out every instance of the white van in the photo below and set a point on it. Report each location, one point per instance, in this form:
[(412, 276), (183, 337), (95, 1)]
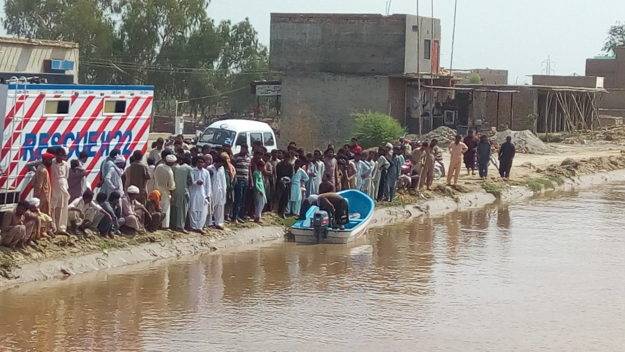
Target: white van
[(236, 133)]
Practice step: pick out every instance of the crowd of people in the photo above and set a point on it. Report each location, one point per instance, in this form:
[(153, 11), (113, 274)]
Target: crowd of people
[(186, 188)]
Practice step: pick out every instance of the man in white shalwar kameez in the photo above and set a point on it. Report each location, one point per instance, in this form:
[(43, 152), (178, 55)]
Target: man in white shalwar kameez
[(219, 193), (200, 193), (165, 184), (319, 171), (60, 190), (363, 172)]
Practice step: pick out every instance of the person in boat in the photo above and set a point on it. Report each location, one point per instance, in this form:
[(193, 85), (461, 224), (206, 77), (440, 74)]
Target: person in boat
[(310, 201), (337, 207)]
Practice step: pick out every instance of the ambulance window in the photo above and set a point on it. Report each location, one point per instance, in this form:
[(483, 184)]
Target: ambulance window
[(57, 107), (115, 107)]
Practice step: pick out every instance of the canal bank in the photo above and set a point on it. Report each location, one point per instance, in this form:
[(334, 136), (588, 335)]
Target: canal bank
[(76, 256)]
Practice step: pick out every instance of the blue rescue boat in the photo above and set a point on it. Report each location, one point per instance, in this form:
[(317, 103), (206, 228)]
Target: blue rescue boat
[(317, 226)]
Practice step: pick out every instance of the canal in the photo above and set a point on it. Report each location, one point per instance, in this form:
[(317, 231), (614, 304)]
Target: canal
[(547, 274)]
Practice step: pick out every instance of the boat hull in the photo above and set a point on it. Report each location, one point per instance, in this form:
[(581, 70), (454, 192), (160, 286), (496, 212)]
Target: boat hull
[(334, 236)]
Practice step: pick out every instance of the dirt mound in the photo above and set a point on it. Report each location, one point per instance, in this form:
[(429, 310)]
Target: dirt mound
[(571, 168), (444, 136), (525, 141)]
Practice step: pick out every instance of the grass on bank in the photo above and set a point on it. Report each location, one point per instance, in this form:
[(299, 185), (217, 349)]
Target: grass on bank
[(494, 188), (538, 184)]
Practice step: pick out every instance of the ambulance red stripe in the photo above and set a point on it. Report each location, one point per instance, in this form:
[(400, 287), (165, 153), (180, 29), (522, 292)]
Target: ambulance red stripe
[(89, 122), (134, 142), (24, 171), (134, 121), (7, 147), (103, 127), (73, 121), (18, 105), (96, 125), (9, 144)]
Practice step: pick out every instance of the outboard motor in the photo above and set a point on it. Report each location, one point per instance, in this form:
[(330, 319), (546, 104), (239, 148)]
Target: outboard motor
[(320, 224)]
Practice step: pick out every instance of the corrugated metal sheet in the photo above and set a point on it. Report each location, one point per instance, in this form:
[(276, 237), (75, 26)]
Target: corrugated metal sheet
[(15, 57)]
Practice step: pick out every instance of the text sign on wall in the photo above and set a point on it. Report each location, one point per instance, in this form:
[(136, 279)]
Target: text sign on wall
[(268, 90)]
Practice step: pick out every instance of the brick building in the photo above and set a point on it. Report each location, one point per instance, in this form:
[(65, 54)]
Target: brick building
[(334, 65), (613, 70)]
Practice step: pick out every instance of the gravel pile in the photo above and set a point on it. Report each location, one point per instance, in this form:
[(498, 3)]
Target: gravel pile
[(525, 141), (444, 136)]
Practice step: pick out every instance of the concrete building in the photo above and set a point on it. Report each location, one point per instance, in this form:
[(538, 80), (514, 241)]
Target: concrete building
[(613, 70), (55, 61), (568, 81), (335, 65)]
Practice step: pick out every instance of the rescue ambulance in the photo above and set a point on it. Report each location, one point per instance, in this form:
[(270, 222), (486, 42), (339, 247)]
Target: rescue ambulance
[(94, 119)]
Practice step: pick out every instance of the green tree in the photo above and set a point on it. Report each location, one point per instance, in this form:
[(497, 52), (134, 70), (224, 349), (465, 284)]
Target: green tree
[(172, 44), (616, 38), (474, 78), (374, 129), (245, 59)]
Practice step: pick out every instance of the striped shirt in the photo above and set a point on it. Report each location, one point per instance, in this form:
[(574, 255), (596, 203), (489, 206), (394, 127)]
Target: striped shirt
[(242, 166)]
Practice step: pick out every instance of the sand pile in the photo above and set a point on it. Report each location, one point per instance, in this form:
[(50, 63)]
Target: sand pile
[(570, 167), (525, 141), (444, 136)]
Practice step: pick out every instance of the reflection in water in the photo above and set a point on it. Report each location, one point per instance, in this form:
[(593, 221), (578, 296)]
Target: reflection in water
[(543, 275)]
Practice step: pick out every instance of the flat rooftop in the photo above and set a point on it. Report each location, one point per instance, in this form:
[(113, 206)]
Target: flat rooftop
[(330, 17)]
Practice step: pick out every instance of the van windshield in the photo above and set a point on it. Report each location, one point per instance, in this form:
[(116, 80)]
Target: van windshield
[(218, 136)]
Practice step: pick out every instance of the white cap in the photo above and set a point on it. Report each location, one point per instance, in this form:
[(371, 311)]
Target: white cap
[(171, 158), (119, 159), (34, 201), (133, 190)]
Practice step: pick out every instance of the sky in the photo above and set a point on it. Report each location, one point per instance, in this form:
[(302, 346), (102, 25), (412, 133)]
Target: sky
[(500, 34)]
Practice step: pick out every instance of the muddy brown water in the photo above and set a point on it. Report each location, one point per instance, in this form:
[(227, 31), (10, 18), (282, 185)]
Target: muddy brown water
[(546, 275)]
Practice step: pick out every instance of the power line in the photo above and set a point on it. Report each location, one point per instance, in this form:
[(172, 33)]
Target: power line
[(212, 96), (165, 69), (155, 66), (219, 95)]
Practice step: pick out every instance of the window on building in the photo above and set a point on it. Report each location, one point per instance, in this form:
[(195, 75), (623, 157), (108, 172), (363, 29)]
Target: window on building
[(57, 107), (115, 107), (427, 49), (415, 28), (268, 139)]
